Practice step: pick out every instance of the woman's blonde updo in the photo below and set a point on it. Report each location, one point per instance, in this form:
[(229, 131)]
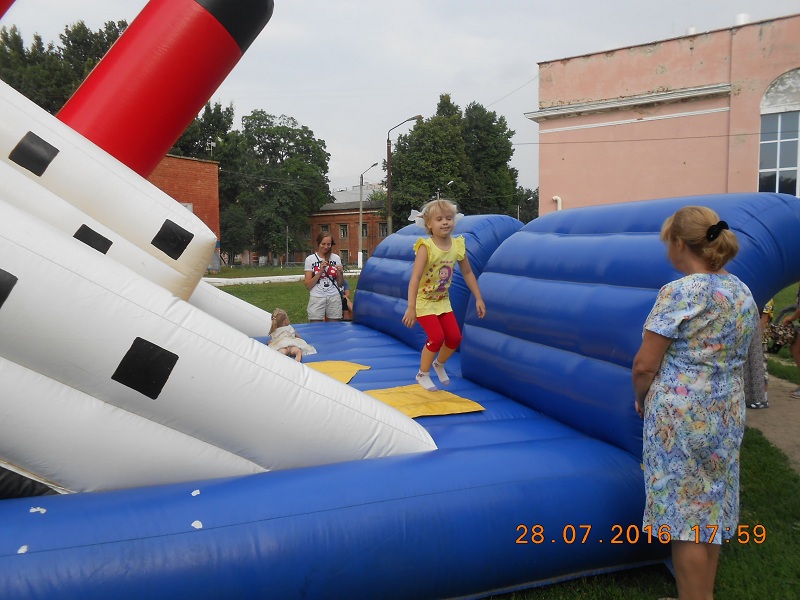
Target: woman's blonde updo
[(702, 231)]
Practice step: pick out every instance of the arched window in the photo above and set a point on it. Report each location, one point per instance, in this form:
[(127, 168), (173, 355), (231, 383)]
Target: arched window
[(779, 148)]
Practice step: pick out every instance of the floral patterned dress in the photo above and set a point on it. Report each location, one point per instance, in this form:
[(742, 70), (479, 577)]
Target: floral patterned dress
[(695, 407)]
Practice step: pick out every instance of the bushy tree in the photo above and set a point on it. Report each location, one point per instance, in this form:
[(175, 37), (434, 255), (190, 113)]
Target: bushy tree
[(527, 201), (48, 74), (207, 134), (236, 231), (278, 171), (426, 159), (492, 182), (460, 156)]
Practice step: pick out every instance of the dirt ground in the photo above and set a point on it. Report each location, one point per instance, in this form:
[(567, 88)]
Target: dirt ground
[(780, 423)]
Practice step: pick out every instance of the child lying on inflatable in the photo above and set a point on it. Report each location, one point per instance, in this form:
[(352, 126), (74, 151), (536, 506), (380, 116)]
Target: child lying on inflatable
[(282, 337)]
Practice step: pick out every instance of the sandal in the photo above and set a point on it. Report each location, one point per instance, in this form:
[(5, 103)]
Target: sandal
[(795, 393), (758, 405)]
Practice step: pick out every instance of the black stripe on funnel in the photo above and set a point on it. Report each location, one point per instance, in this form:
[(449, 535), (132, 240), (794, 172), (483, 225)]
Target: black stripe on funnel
[(243, 19)]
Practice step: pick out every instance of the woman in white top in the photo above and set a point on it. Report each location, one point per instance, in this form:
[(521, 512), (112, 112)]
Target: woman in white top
[(324, 281)]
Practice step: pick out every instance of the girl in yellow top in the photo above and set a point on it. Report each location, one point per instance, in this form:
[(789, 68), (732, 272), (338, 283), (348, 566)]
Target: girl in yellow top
[(428, 290)]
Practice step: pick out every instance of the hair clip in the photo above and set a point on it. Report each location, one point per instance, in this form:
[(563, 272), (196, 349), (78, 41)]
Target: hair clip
[(714, 231)]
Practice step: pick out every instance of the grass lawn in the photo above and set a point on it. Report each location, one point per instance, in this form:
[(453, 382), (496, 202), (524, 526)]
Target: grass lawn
[(291, 297), (770, 496)]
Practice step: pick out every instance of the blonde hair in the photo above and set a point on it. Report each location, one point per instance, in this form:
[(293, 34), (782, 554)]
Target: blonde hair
[(702, 231), (439, 205), (279, 319)]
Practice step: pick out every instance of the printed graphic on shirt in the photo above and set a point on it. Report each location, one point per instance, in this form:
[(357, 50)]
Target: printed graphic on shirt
[(436, 279), (327, 279), (326, 284)]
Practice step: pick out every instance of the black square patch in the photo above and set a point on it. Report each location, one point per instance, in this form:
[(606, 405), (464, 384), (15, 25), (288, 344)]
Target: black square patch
[(33, 153), (91, 238), (172, 239), (7, 282), (145, 368)]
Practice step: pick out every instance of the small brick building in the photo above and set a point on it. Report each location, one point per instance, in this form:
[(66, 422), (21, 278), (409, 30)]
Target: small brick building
[(341, 220)]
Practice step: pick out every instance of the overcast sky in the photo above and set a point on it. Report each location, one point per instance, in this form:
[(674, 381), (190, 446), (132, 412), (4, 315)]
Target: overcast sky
[(353, 69)]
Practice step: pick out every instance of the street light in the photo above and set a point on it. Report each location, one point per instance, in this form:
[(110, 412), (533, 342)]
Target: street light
[(527, 200), (361, 215), (389, 171)]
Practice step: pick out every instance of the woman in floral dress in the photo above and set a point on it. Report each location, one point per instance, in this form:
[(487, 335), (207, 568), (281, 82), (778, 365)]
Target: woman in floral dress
[(688, 383)]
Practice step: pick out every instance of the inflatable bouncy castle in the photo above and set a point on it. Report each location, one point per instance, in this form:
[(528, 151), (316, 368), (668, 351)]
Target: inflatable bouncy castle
[(152, 446)]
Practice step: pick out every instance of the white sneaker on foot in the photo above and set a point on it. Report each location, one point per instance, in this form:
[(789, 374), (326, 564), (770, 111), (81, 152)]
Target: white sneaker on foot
[(441, 373), (424, 379)]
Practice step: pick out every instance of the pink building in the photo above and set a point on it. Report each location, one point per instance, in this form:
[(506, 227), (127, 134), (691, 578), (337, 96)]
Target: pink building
[(706, 113)]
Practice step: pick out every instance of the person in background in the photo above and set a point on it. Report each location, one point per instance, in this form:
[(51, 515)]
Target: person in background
[(347, 315), (428, 289), (756, 376), (324, 277), (688, 387), (794, 349)]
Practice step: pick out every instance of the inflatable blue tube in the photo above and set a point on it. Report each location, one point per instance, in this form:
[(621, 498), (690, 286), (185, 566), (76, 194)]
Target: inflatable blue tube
[(407, 528), (575, 288)]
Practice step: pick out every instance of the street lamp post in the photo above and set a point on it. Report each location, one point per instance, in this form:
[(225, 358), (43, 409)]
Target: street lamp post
[(526, 200), (389, 171), (361, 215)]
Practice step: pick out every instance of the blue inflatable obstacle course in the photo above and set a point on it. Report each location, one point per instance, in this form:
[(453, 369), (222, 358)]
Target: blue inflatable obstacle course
[(542, 483)]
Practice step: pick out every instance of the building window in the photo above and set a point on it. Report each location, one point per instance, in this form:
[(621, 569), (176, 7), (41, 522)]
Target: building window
[(364, 230), (343, 231), (345, 256), (383, 230), (778, 153)]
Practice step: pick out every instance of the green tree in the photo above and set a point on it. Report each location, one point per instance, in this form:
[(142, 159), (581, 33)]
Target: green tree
[(527, 204), (281, 170), (81, 49), (205, 136), (48, 74), (488, 145), (427, 159), (236, 232), (463, 157)]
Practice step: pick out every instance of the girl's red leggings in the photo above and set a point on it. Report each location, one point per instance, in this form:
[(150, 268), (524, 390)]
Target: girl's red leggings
[(441, 329)]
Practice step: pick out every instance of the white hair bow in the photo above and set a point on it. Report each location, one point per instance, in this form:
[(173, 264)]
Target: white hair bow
[(416, 218)]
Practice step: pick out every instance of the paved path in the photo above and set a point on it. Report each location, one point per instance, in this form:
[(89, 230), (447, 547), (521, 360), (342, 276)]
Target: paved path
[(218, 281), (780, 423)]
